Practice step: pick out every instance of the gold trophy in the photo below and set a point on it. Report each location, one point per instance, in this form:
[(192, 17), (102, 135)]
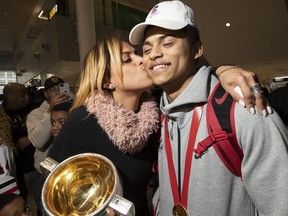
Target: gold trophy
[(84, 184)]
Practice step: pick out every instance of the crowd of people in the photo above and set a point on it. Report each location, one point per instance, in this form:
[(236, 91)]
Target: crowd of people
[(117, 112)]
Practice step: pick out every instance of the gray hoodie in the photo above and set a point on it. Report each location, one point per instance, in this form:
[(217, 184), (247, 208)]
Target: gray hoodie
[(212, 189)]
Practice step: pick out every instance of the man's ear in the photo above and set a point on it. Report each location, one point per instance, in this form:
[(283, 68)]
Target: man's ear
[(199, 50)]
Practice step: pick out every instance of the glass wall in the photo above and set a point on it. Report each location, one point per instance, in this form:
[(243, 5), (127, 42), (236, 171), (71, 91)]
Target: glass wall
[(6, 77)]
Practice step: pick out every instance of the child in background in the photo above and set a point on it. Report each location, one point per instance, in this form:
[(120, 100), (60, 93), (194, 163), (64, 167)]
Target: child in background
[(59, 114)]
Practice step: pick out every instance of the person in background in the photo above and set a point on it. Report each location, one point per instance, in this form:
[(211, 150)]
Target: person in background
[(76, 87), (7, 162), (13, 205), (8, 175), (278, 99), (38, 121), (59, 115), (194, 185), (7, 148), (39, 128), (16, 108)]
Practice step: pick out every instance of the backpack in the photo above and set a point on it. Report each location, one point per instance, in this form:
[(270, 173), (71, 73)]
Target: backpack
[(221, 129)]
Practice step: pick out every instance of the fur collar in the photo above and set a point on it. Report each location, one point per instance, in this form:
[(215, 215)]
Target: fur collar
[(128, 131)]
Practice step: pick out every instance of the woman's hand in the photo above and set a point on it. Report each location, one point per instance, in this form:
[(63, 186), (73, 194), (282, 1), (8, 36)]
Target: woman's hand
[(238, 83)]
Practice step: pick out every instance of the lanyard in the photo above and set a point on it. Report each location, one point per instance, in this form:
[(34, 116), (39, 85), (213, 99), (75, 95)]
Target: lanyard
[(188, 160)]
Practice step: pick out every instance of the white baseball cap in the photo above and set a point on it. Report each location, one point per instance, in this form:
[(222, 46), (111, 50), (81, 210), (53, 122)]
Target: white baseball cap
[(172, 15)]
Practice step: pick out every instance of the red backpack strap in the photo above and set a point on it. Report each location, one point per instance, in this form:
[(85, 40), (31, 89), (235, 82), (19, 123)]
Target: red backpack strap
[(221, 129)]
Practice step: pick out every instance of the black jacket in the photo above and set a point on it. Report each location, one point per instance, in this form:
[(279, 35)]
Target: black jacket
[(81, 133)]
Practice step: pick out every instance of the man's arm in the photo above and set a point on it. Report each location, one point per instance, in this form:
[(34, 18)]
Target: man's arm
[(264, 166)]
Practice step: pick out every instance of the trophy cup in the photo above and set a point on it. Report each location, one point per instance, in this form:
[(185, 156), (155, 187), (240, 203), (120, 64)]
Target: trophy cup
[(84, 184)]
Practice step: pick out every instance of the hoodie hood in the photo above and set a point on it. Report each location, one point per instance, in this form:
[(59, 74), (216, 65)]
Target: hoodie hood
[(183, 103)]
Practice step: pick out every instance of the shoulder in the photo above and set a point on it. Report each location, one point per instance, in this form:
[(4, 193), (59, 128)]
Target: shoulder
[(42, 108), (1, 109), (80, 118), (38, 113), (80, 112), (2, 112), (256, 126)]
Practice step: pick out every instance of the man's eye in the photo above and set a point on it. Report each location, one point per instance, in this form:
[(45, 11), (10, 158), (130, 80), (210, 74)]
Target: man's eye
[(53, 123), (62, 122), (167, 44)]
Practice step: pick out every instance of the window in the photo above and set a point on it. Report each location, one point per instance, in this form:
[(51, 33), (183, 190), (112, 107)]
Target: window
[(125, 18), (6, 77)]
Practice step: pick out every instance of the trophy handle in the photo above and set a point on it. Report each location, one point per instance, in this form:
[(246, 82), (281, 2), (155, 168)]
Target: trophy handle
[(47, 166), (122, 206)]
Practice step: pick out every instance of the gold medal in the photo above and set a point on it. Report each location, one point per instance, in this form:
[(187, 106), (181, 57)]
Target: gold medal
[(179, 210)]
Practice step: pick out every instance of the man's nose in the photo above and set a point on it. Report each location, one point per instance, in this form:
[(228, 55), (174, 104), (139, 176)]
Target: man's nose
[(155, 53)]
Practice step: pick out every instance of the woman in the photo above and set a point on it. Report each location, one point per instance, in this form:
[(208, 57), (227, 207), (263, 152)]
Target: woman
[(7, 159), (117, 120)]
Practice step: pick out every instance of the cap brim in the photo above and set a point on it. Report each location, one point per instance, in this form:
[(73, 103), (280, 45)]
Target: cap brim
[(136, 35)]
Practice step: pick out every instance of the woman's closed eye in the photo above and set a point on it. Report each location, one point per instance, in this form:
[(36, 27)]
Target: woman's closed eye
[(146, 50), (126, 60)]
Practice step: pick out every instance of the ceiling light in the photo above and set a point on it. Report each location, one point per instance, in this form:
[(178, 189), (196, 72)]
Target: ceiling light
[(280, 78), (41, 15), (228, 24)]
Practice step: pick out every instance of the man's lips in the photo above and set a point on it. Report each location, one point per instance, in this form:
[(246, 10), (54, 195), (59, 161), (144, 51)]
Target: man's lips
[(159, 67)]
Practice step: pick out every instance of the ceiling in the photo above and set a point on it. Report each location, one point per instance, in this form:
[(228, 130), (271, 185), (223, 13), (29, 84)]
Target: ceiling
[(256, 39), (19, 27)]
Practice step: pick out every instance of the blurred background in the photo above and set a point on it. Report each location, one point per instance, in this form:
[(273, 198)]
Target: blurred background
[(41, 38)]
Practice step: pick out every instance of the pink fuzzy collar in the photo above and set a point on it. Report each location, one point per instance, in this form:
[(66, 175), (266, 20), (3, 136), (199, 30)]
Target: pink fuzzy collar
[(129, 131)]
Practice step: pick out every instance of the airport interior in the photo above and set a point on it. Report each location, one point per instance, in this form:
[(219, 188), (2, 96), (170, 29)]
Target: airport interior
[(40, 39)]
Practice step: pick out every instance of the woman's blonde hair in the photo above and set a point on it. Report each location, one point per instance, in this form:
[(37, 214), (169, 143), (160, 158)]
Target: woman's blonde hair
[(96, 69)]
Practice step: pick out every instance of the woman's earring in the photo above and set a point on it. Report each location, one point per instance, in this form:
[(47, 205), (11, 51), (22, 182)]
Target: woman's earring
[(108, 85)]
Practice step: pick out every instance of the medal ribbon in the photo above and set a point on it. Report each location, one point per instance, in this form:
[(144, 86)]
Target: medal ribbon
[(188, 160)]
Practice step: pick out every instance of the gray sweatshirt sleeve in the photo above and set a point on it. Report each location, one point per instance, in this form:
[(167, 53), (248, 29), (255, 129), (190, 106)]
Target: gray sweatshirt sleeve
[(265, 163)]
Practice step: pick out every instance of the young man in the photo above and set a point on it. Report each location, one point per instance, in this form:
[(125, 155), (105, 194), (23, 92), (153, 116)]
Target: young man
[(193, 185)]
